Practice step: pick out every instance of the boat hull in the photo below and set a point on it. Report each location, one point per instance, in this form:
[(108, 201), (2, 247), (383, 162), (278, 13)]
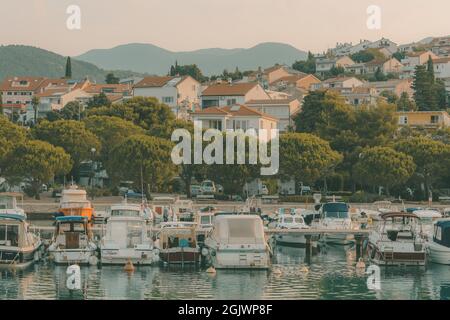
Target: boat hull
[(122, 256), (438, 253), (337, 239), (290, 240), (180, 256), (73, 256), (240, 259), (396, 258), (18, 258)]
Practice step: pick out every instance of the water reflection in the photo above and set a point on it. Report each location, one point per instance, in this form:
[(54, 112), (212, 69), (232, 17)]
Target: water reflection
[(330, 274)]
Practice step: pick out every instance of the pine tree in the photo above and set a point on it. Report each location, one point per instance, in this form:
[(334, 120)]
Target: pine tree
[(423, 89), (68, 68)]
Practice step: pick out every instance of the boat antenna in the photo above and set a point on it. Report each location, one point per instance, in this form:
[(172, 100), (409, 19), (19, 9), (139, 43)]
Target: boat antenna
[(142, 184)]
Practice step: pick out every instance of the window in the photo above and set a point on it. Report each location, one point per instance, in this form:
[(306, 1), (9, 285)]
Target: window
[(434, 119), (167, 99), (403, 120), (9, 235), (240, 124), (231, 102), (215, 124)]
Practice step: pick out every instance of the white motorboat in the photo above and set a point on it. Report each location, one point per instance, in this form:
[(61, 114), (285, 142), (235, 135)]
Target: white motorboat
[(292, 221), (334, 216), (19, 248), (72, 242), (428, 217), (74, 202), (398, 241), (237, 241), (126, 237), (377, 209), (177, 243), (439, 246)]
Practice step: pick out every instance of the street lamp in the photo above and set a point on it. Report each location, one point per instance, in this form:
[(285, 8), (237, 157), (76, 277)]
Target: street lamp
[(93, 150)]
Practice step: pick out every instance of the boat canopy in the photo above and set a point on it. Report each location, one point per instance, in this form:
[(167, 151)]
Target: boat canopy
[(388, 215), (442, 233), (239, 229), (12, 216), (71, 219)]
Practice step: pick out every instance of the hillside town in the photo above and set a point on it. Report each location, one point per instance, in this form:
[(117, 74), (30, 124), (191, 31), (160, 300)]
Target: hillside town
[(413, 79)]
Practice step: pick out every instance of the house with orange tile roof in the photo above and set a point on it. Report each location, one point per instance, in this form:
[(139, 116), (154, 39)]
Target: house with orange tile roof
[(223, 94), (337, 83), (180, 93), (282, 109), (18, 92), (300, 81), (234, 117)]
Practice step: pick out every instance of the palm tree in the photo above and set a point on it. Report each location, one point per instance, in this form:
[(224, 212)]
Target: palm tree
[(35, 103)]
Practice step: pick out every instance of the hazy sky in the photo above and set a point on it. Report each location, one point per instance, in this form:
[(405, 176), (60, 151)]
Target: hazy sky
[(193, 24)]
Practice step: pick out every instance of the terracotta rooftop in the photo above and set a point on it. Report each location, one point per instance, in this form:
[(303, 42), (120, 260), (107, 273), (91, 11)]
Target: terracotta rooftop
[(98, 88), (32, 83), (226, 89), (442, 60), (236, 110), (154, 82), (271, 101)]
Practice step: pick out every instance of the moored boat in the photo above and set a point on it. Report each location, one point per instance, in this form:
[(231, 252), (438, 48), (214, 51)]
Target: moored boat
[(19, 248), (335, 216), (398, 241), (74, 202), (439, 246), (72, 242), (177, 243), (291, 221), (126, 238), (237, 241)]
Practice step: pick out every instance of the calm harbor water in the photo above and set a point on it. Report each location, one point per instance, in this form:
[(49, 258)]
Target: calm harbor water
[(330, 275)]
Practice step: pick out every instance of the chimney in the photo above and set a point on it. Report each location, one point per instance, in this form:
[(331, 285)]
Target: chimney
[(230, 81)]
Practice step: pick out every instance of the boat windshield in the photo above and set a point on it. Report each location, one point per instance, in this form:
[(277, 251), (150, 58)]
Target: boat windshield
[(335, 210), (71, 227), (9, 235), (7, 203), (205, 220), (125, 213), (288, 220)]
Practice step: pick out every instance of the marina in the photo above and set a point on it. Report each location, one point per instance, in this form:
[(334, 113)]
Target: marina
[(270, 250)]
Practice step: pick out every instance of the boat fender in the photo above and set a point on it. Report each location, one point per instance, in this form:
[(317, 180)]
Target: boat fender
[(205, 251), (36, 256), (128, 266), (93, 260)]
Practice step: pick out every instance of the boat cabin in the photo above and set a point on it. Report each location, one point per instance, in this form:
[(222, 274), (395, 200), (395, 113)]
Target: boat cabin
[(8, 203), (13, 231), (335, 210), (72, 232), (441, 233), (177, 235), (239, 230)]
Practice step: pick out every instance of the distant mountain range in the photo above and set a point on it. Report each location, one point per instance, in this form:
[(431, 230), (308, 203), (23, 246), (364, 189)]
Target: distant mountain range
[(152, 59), (18, 60)]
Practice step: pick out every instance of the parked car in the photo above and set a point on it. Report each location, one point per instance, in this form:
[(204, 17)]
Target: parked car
[(195, 190), (208, 187), (130, 194)]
